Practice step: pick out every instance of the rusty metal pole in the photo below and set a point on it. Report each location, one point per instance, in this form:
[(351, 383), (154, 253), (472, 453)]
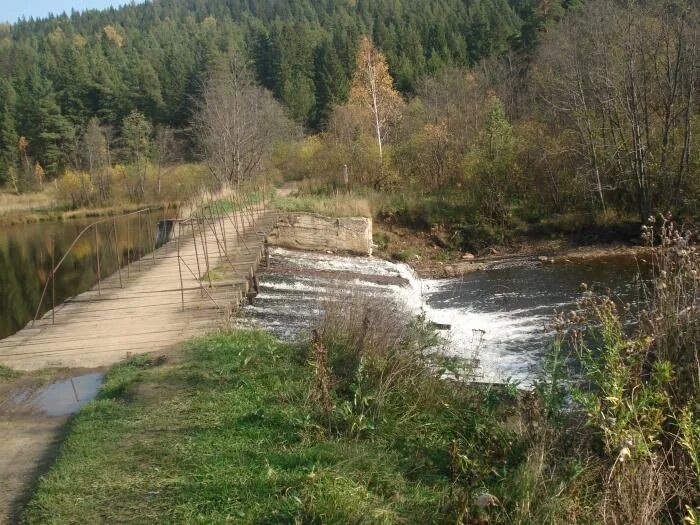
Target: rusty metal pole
[(139, 239), (223, 233), (150, 236), (206, 249), (97, 258), (179, 266), (128, 250), (199, 270), (53, 282), (116, 252)]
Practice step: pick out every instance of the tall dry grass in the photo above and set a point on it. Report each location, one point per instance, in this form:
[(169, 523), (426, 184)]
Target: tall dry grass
[(340, 205), (12, 203), (637, 390)]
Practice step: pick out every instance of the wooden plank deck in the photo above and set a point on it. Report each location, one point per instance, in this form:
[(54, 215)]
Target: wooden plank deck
[(145, 312)]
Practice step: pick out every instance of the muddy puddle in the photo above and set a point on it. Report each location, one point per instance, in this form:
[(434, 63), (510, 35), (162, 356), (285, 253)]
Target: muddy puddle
[(58, 398)]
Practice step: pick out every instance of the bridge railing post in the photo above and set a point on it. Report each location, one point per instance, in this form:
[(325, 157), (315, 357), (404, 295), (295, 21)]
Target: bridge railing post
[(128, 252), (53, 281), (196, 255), (179, 265), (116, 252)]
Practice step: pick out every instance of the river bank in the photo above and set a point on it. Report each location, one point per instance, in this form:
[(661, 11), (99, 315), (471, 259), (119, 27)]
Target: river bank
[(231, 429), (430, 254), (349, 425), (29, 216)]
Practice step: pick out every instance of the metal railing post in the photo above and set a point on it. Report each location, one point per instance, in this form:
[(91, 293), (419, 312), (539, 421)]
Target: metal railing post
[(196, 254), (128, 251), (53, 282), (140, 245), (179, 266), (97, 258), (117, 253)]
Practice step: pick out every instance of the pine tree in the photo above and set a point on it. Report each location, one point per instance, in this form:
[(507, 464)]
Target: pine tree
[(49, 132), (8, 132), (136, 137), (330, 80)]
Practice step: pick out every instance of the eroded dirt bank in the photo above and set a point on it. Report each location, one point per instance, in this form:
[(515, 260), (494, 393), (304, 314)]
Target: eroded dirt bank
[(34, 410)]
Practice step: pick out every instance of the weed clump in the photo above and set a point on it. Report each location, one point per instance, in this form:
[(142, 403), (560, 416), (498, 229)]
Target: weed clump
[(636, 390)]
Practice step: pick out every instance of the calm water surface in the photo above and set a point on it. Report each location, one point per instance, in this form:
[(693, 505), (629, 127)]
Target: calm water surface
[(26, 254)]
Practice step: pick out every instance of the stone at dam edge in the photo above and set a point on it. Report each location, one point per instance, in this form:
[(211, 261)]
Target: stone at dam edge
[(311, 232)]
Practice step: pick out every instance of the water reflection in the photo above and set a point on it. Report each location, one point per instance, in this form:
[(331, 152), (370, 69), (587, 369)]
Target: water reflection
[(27, 251)]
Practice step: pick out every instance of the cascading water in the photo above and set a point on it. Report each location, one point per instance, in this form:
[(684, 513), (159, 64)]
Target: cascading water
[(511, 305)]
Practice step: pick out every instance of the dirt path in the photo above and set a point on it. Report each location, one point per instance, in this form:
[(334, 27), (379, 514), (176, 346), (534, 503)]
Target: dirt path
[(34, 409), (146, 307), (29, 444)]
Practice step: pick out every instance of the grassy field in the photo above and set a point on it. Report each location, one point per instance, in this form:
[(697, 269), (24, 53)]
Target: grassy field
[(12, 203), (227, 433), (221, 436)]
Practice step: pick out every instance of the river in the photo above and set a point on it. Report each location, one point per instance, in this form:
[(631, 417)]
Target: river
[(26, 255), (498, 316)]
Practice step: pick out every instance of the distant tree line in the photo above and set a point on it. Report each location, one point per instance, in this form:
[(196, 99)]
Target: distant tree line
[(57, 74)]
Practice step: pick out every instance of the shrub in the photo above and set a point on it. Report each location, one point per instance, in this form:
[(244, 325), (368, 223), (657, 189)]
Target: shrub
[(75, 187)]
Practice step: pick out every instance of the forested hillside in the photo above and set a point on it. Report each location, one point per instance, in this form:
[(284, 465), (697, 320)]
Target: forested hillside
[(494, 115), (56, 73)]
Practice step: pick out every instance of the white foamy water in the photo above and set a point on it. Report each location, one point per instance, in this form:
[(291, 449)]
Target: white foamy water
[(511, 305)]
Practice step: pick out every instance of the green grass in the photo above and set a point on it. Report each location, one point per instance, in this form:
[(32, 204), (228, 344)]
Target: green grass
[(236, 429), (226, 435), (328, 205), (403, 255), (8, 374), (229, 205)]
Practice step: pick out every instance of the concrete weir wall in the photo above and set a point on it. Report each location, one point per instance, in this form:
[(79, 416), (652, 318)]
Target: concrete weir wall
[(311, 232)]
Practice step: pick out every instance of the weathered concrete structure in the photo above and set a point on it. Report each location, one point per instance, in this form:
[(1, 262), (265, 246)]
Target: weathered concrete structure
[(308, 231)]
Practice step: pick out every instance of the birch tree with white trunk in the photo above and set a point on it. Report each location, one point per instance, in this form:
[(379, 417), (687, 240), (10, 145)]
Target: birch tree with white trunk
[(373, 91)]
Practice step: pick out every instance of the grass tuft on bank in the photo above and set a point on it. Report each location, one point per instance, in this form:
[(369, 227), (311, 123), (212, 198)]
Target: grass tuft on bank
[(327, 205), (8, 374)]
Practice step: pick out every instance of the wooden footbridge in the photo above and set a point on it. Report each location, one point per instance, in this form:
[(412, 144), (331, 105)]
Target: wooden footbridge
[(193, 282)]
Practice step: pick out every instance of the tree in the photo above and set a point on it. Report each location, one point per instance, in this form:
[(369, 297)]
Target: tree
[(623, 81), (166, 151), (330, 81), (8, 132), (492, 165), (373, 91), (49, 132), (137, 150), (237, 123), (136, 137), (95, 153)]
